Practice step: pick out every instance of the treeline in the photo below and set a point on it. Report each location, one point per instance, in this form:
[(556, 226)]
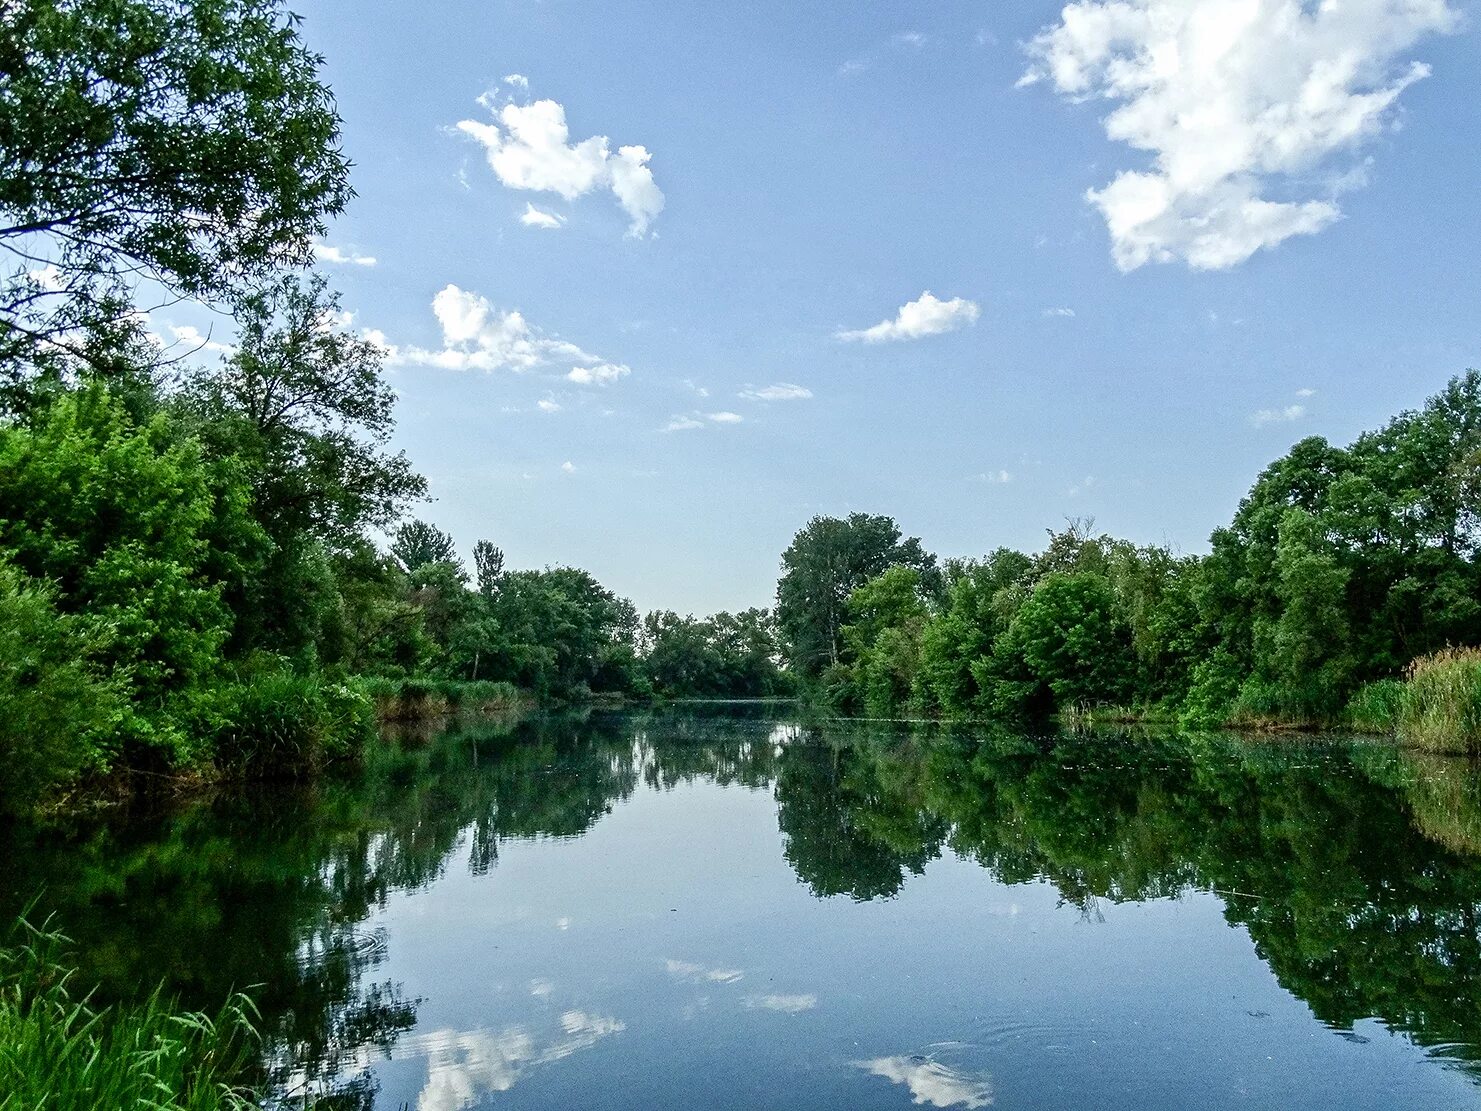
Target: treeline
[(559, 635), (1345, 591)]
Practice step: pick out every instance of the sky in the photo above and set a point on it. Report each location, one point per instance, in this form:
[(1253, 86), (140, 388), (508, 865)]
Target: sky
[(658, 282)]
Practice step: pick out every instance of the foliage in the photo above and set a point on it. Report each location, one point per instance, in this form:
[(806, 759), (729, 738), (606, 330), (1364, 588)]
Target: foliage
[(418, 544), (1441, 707), (828, 560), (189, 143), (59, 1050)]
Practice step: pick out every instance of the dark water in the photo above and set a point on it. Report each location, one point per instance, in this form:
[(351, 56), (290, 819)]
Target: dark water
[(732, 910)]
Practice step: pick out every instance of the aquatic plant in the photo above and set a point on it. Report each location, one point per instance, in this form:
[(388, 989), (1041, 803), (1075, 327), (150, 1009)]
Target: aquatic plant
[(1441, 708)]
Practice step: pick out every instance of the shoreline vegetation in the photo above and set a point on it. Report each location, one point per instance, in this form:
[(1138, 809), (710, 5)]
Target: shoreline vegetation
[(208, 569)]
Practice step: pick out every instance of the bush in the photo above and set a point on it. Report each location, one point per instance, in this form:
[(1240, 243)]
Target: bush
[(53, 707), (275, 723), (1375, 707), (1441, 708), (59, 1051)]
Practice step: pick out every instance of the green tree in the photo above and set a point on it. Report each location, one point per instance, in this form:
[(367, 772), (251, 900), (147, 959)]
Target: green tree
[(189, 143), (827, 561), (418, 544)]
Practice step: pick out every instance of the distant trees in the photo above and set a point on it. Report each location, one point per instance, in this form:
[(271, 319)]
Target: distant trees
[(1341, 566)]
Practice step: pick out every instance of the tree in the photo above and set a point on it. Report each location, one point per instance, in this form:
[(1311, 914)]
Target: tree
[(300, 405), (975, 612), (1069, 645), (418, 544), (827, 561), (488, 566), (191, 144)]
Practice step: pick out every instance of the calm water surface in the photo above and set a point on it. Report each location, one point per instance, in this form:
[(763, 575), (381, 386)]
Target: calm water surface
[(728, 909)]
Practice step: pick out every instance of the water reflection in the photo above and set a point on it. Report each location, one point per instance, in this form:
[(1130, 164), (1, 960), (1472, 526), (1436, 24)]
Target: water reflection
[(1355, 868), (932, 1082), (464, 1066)]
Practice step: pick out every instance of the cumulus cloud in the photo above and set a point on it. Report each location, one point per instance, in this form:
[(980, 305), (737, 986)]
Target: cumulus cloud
[(602, 374), (1239, 102), (683, 422), (927, 315), (516, 80), (192, 337), (538, 218), (1277, 416), (781, 391), (338, 256), (932, 1082), (568, 467), (528, 146), (478, 336), (1306, 392), (548, 405)]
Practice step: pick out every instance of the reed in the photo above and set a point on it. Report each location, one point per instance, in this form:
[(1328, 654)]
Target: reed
[(1441, 707), (60, 1051)]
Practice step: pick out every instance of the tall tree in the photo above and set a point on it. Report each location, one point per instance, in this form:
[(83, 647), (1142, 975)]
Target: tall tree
[(827, 561)]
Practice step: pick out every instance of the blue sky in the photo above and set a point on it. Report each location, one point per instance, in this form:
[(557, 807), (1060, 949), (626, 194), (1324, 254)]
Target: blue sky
[(1260, 216)]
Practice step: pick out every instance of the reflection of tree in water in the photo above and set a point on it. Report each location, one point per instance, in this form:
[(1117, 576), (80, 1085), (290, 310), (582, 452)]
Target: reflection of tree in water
[(1354, 867)]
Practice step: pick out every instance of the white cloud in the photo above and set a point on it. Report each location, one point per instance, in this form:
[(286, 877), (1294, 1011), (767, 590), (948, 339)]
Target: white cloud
[(1059, 312), (528, 147), (516, 80), (786, 1004), (338, 256), (48, 278), (538, 218), (1306, 392), (997, 478), (603, 374), (1276, 416), (477, 336), (1234, 99), (932, 1082), (682, 424), (916, 39), (697, 390), (569, 468), (782, 391), (724, 417), (927, 315), (1089, 482), (547, 405), (193, 338)]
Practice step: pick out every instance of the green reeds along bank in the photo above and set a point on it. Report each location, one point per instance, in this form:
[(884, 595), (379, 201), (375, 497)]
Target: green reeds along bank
[(411, 699), (60, 1052), (1375, 707), (1441, 707)]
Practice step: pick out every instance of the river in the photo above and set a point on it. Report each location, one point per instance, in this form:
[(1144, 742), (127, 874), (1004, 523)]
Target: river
[(728, 908)]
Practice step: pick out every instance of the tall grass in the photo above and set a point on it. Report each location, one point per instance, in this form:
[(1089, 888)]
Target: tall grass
[(1441, 708), (415, 699), (1375, 707), (276, 723), (60, 1052)]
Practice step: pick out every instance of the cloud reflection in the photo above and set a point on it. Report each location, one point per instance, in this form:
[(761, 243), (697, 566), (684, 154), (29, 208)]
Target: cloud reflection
[(932, 1082), (698, 973), (463, 1065), (786, 1004)]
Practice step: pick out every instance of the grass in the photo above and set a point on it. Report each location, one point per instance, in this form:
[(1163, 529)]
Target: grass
[(60, 1052), (1375, 707), (416, 699), (1441, 707)]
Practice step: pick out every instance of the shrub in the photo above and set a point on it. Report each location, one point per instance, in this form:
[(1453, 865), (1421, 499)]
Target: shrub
[(1441, 708), (276, 723)]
